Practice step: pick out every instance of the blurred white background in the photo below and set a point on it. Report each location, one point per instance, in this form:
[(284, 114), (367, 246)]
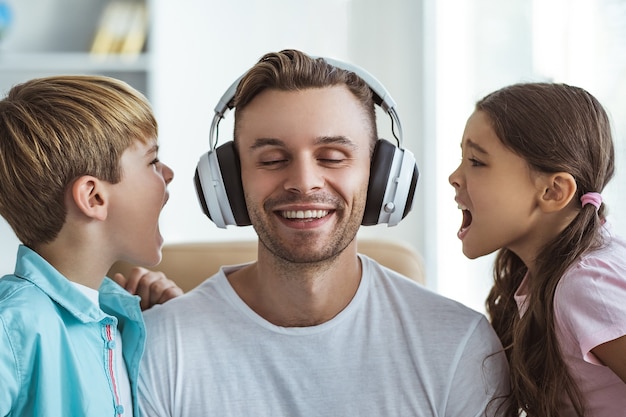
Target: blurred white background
[(436, 57)]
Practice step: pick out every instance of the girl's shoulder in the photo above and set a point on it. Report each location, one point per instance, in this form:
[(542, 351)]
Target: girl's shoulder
[(610, 254), (600, 270)]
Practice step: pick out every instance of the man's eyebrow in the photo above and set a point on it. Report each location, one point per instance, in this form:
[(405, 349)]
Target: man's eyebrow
[(324, 140), (336, 140), (261, 142), (473, 145)]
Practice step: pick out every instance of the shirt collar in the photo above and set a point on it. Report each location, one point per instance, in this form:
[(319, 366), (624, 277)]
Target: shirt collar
[(35, 269)]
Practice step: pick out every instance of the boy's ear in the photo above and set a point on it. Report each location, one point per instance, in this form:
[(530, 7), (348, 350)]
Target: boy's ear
[(558, 190), (89, 195)]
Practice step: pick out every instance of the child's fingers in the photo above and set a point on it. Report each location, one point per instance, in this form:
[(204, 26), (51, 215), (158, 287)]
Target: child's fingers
[(156, 288), (135, 278), (153, 287), (170, 291), (120, 279)]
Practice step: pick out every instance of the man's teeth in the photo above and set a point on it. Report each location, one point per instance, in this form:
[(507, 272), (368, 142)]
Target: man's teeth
[(461, 207), (304, 214)]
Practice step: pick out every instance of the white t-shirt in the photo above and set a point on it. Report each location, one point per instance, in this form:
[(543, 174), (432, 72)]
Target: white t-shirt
[(396, 350)]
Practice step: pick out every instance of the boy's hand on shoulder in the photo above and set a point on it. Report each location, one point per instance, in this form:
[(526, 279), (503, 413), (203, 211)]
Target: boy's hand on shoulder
[(153, 287)]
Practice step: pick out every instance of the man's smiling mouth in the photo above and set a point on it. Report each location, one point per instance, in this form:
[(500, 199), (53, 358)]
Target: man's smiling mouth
[(304, 214)]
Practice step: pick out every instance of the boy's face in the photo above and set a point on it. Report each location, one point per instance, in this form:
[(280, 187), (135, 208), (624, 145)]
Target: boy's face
[(135, 204)]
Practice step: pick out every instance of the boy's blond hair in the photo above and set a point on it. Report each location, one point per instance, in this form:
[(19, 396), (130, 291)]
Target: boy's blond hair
[(54, 130)]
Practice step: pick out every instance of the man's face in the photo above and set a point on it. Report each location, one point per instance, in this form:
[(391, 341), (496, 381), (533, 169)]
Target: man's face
[(305, 162)]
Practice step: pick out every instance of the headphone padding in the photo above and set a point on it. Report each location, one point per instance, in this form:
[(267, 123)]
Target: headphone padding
[(380, 169), (411, 196), (230, 167), (200, 194)]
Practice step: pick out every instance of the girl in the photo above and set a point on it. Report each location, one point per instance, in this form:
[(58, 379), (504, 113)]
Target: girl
[(536, 157)]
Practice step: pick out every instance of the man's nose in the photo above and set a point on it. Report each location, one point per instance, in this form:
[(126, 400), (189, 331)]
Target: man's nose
[(304, 176)]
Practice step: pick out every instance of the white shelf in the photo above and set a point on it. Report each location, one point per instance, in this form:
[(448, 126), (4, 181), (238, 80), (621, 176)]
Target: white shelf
[(72, 62), (54, 37)]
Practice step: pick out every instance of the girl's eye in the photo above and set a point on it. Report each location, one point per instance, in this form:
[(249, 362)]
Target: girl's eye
[(475, 162), (155, 161)]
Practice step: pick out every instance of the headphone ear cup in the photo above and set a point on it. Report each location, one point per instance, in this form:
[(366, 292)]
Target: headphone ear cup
[(380, 168), (219, 187), (230, 166), (392, 184)]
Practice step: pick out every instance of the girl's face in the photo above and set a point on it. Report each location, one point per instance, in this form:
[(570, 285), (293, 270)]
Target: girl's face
[(497, 192)]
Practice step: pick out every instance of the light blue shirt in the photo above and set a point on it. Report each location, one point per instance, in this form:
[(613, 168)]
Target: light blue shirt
[(57, 347)]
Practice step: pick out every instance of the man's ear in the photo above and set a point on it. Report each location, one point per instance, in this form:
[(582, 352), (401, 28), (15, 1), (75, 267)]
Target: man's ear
[(558, 190), (89, 195)]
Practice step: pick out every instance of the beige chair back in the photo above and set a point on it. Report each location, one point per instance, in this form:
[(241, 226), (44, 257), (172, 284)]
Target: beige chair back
[(188, 264)]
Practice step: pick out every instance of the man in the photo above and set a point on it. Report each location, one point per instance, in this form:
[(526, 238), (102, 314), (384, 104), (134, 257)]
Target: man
[(313, 328)]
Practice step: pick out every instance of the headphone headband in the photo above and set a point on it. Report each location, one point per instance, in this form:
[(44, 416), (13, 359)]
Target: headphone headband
[(381, 98)]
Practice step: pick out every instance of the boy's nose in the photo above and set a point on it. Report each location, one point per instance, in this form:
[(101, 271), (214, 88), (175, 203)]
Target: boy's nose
[(168, 174)]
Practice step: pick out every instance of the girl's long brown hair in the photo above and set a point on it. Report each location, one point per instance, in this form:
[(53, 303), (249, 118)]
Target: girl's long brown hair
[(555, 128)]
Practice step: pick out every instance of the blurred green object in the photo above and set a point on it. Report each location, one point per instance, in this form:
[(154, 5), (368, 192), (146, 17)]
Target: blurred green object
[(5, 19)]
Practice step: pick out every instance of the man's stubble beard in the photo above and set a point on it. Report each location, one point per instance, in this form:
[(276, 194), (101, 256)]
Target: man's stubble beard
[(301, 252)]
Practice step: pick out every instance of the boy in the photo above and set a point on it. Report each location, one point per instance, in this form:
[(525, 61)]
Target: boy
[(82, 188)]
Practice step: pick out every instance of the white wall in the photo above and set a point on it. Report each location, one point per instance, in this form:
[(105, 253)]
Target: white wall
[(387, 39), (481, 45), (8, 248)]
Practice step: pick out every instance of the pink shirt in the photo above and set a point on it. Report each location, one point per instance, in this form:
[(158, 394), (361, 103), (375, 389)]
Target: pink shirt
[(590, 309)]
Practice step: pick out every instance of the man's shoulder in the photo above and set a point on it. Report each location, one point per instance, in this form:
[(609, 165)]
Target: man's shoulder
[(203, 297), (420, 296), (427, 313), (440, 326)]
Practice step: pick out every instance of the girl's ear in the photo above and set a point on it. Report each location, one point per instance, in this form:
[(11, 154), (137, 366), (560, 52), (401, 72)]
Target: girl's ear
[(559, 189), (89, 195)]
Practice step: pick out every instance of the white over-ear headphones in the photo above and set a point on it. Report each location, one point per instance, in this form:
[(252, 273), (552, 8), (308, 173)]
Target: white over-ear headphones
[(393, 173)]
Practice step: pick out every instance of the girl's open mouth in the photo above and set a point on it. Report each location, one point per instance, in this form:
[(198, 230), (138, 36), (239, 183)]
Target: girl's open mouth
[(467, 221)]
